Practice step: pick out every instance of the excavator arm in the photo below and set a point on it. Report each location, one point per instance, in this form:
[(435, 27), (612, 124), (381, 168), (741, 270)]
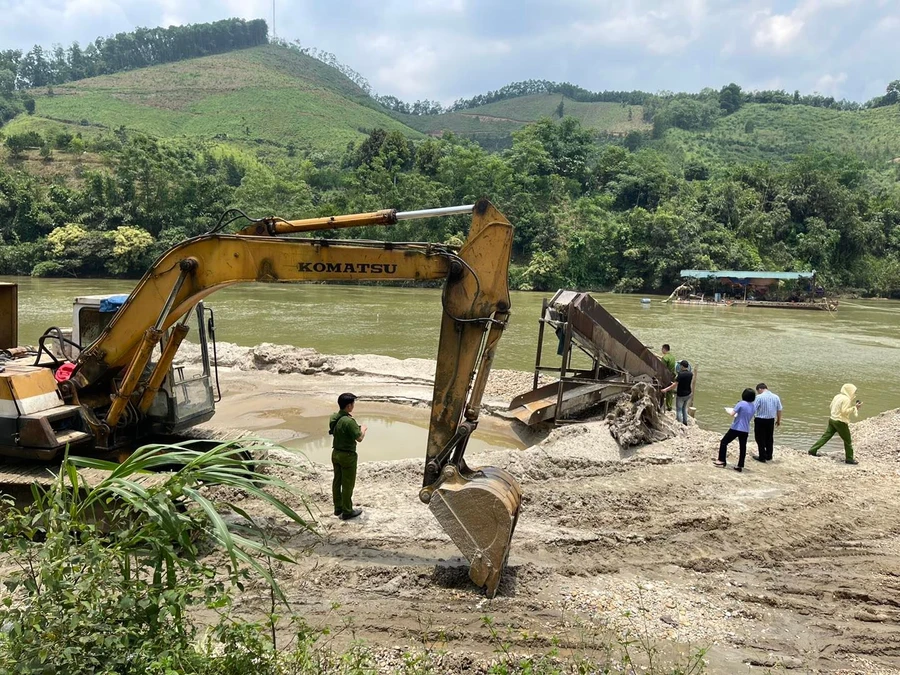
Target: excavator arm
[(477, 507)]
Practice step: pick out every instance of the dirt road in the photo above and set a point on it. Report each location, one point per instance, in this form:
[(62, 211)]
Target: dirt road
[(793, 564)]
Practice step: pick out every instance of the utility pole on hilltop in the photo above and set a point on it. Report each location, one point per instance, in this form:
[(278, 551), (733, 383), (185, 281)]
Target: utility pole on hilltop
[(274, 34)]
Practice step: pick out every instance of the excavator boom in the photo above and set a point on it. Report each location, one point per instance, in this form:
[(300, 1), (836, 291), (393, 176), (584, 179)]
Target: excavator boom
[(477, 507)]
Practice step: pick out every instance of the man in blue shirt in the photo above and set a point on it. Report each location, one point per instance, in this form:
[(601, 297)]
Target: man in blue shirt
[(768, 416), (740, 429)]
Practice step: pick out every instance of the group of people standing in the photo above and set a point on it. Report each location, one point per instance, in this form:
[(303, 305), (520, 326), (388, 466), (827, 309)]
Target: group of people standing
[(763, 408)]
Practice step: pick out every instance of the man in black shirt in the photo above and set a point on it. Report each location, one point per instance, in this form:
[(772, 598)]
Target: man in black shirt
[(682, 386)]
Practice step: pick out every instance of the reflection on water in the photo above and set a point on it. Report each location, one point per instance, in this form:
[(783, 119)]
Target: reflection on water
[(804, 356), (386, 437)]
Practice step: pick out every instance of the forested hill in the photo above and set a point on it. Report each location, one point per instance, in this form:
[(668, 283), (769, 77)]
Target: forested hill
[(612, 190), (140, 48)]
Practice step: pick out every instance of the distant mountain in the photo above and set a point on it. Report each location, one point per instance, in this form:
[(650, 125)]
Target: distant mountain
[(775, 132), (493, 123)]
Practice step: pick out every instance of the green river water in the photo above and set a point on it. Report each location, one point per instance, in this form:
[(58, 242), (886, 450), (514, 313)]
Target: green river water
[(804, 356)]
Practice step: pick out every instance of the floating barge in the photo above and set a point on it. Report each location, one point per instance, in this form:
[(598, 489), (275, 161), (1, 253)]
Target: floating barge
[(750, 288)]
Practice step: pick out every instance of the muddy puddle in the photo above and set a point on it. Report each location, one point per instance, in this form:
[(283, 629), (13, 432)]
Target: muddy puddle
[(394, 431)]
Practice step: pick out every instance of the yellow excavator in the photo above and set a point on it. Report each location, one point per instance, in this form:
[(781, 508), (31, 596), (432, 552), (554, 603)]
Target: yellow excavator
[(122, 388)]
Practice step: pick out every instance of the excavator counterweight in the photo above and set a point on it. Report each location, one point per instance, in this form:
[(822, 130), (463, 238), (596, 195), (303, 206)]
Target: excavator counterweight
[(122, 386)]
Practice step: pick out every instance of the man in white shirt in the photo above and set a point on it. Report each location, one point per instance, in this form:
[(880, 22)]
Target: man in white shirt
[(768, 416)]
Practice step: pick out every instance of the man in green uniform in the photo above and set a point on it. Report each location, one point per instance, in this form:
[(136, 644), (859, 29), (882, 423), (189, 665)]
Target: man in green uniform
[(347, 433), (669, 359)]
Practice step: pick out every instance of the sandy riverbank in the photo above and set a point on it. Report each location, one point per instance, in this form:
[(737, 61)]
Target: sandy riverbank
[(792, 564)]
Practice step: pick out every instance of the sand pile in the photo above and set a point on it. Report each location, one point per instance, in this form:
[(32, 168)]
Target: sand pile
[(878, 437), (503, 385)]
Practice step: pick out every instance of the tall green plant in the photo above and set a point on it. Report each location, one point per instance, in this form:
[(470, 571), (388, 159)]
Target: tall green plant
[(107, 574)]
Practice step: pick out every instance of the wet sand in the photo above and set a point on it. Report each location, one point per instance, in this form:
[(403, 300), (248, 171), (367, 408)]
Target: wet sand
[(790, 565)]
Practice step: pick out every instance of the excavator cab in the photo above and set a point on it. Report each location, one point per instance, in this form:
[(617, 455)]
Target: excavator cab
[(185, 396)]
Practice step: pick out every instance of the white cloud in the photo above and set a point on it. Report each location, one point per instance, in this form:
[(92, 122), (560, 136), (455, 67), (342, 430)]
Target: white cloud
[(783, 31), (446, 49), (171, 12), (255, 9), (830, 84), (660, 28), (78, 8), (439, 6), (409, 72), (778, 31), (888, 24)]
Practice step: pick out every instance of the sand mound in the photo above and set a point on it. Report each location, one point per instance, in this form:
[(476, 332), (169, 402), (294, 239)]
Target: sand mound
[(503, 385), (878, 437)]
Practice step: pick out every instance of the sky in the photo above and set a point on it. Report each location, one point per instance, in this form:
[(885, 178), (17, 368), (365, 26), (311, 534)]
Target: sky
[(448, 49)]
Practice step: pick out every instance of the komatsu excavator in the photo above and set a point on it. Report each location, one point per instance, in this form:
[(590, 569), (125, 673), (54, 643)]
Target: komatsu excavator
[(121, 387)]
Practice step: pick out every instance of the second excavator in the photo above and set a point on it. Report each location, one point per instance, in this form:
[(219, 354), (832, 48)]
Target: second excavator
[(123, 387)]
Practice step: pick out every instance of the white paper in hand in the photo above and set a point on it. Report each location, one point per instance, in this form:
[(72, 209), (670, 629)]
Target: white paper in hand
[(730, 411)]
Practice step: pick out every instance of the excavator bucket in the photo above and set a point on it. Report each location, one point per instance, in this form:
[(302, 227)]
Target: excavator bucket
[(479, 511)]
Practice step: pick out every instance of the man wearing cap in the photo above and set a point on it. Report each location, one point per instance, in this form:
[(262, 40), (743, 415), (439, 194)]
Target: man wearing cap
[(767, 417), (347, 433)]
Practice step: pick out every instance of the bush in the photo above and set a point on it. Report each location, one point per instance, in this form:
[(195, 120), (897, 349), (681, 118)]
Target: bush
[(517, 280), (48, 268), (131, 246), (62, 139), (114, 595), (628, 285), (19, 259), (543, 272)]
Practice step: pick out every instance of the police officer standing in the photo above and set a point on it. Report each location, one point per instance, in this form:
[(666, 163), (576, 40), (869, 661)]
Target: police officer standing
[(347, 433)]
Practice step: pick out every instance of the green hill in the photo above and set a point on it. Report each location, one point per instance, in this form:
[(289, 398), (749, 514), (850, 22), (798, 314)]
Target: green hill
[(277, 95), (500, 119), (271, 94), (773, 132)]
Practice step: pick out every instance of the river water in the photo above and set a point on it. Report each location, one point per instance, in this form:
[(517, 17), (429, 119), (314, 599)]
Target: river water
[(804, 356)]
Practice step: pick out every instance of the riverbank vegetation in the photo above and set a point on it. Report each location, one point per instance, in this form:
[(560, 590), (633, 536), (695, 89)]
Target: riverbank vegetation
[(588, 215)]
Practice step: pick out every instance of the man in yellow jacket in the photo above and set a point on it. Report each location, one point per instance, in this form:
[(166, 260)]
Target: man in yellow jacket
[(842, 406)]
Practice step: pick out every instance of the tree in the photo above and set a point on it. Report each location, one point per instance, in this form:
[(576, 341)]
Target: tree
[(17, 144), (891, 96), (730, 98), (561, 108), (695, 169), (634, 139), (266, 193), (28, 102), (7, 82), (130, 248)]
